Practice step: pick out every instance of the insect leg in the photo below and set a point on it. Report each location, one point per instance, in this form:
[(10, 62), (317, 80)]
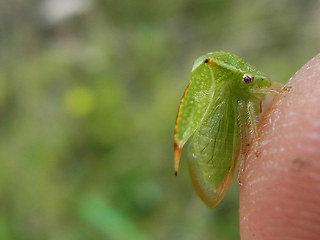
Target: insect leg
[(281, 86), (243, 122), (265, 91), (252, 120)]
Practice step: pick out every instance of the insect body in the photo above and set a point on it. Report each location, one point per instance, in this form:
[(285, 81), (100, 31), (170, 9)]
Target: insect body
[(219, 108)]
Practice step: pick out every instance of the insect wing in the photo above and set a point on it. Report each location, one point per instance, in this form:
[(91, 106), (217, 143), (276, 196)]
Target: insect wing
[(193, 106), (214, 150)]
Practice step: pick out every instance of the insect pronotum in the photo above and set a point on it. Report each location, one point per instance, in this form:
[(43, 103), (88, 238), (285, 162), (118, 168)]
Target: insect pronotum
[(219, 109)]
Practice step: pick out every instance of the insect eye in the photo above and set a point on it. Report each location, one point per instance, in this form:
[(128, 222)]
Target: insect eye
[(206, 60), (247, 78)]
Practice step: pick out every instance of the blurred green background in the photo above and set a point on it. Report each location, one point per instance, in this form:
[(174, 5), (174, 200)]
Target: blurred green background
[(89, 91)]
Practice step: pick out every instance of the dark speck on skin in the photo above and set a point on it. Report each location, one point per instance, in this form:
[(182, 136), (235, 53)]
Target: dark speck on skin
[(298, 164)]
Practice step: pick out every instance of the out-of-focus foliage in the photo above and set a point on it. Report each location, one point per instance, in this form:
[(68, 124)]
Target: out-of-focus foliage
[(88, 96)]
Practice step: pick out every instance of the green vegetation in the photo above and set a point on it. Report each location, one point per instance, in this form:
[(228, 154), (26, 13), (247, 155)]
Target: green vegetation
[(88, 100)]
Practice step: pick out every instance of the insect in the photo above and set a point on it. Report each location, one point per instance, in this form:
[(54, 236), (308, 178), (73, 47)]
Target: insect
[(219, 108)]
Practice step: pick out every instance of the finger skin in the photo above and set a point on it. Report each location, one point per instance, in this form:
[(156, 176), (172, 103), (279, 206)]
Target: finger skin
[(280, 191)]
